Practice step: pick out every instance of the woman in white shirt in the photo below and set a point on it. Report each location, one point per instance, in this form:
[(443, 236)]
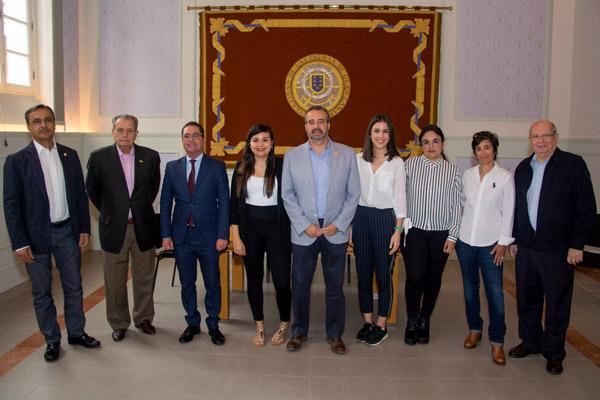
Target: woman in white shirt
[(260, 224), (486, 231), (377, 224)]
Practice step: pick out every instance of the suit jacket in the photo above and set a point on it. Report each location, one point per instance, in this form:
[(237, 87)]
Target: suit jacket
[(566, 209), (237, 206), (298, 192), (26, 204), (208, 205), (107, 189)]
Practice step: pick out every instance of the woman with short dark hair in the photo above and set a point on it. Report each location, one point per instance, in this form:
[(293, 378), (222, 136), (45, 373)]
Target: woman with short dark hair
[(486, 230)]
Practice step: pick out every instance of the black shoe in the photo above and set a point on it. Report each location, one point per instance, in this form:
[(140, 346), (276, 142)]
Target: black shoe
[(189, 333), (554, 367), (423, 330), (216, 336), (146, 327), (118, 334), (376, 336), (52, 351), (520, 351), (410, 334), (84, 340), (364, 332)]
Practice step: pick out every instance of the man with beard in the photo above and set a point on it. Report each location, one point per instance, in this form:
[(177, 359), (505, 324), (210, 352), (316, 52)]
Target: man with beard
[(320, 191)]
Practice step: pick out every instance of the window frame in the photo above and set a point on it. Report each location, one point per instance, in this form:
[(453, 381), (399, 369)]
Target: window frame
[(9, 88)]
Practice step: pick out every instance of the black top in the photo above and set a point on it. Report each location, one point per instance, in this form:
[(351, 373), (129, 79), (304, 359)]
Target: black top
[(237, 205)]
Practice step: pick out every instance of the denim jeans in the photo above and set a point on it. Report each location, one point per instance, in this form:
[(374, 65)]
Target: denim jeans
[(333, 259), (66, 252), (472, 260)]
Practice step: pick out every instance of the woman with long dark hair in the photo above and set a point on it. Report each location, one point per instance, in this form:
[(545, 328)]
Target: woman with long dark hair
[(260, 224), (377, 225), (431, 228)]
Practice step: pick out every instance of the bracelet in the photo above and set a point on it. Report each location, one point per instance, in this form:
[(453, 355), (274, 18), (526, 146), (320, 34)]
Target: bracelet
[(399, 228)]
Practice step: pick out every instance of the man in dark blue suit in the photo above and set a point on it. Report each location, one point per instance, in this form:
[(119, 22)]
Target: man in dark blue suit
[(46, 212), (198, 228), (554, 215)]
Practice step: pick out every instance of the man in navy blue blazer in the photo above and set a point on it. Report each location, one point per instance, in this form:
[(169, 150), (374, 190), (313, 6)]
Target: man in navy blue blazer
[(554, 215), (46, 212), (197, 228)]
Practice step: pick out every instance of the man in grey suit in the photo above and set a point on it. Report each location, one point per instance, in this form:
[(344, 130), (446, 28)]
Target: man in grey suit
[(320, 191)]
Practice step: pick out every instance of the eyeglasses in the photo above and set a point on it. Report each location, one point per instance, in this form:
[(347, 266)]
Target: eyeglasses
[(543, 136), (194, 136), (434, 142)]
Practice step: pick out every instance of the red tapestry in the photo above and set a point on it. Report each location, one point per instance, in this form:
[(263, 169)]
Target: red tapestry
[(269, 66)]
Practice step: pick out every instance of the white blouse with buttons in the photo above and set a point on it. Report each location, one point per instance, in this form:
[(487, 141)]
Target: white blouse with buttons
[(384, 188)]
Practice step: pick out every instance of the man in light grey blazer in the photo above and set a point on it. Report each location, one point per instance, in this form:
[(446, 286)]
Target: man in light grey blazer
[(320, 191)]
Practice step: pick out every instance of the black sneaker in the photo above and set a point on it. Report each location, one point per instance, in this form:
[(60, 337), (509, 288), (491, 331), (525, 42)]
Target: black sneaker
[(376, 336), (364, 332), (423, 330), (410, 334)]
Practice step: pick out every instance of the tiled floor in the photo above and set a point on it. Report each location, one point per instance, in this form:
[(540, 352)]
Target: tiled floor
[(158, 367)]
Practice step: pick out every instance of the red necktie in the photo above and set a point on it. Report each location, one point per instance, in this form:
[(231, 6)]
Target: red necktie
[(191, 185)]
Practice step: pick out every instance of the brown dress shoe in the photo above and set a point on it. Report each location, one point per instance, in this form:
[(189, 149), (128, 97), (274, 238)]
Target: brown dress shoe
[(472, 339), (498, 355), (146, 327), (337, 346), (295, 342)]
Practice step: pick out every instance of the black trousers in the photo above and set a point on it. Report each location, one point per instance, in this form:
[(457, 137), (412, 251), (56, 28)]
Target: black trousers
[(425, 260), (372, 229), (544, 275), (263, 236)]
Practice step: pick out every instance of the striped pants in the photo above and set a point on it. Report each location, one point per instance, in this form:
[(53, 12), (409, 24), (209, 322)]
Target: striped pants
[(372, 229)]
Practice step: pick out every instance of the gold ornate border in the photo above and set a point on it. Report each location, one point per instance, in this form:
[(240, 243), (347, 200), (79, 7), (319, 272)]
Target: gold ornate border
[(220, 27)]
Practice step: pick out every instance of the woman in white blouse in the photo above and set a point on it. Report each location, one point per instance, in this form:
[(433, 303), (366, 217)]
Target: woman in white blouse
[(377, 224), (486, 230), (259, 224)]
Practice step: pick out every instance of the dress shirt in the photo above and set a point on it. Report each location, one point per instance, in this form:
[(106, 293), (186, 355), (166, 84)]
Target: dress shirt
[(488, 207), (188, 166), (533, 193), (433, 196), (255, 189), (127, 163), (54, 180), (384, 188), (321, 167)]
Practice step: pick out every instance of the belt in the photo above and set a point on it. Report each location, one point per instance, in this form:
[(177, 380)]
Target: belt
[(60, 224), (130, 221)]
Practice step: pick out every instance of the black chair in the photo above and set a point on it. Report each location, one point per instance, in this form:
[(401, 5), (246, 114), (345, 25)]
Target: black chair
[(163, 253)]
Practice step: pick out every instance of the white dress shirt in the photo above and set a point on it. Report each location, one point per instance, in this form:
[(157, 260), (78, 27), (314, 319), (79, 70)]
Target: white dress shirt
[(386, 188), (488, 207), (54, 180)]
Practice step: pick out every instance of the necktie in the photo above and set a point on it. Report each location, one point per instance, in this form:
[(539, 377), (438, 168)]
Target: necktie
[(191, 185)]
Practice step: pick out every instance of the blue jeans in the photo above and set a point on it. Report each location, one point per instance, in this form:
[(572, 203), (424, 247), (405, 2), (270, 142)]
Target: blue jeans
[(333, 259), (68, 262), (472, 260)]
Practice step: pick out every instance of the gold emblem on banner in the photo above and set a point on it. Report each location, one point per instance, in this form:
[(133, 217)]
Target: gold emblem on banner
[(317, 79)]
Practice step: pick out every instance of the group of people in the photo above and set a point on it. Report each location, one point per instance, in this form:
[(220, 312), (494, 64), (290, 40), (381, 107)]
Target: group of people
[(295, 209)]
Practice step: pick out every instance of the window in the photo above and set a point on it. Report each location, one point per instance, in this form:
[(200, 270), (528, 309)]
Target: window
[(17, 45)]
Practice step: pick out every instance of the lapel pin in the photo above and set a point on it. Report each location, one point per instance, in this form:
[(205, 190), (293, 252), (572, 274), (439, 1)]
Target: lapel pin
[(64, 154), (141, 161)]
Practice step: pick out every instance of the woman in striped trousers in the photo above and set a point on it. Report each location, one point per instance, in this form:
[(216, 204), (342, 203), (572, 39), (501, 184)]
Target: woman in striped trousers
[(377, 224), (433, 188)]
